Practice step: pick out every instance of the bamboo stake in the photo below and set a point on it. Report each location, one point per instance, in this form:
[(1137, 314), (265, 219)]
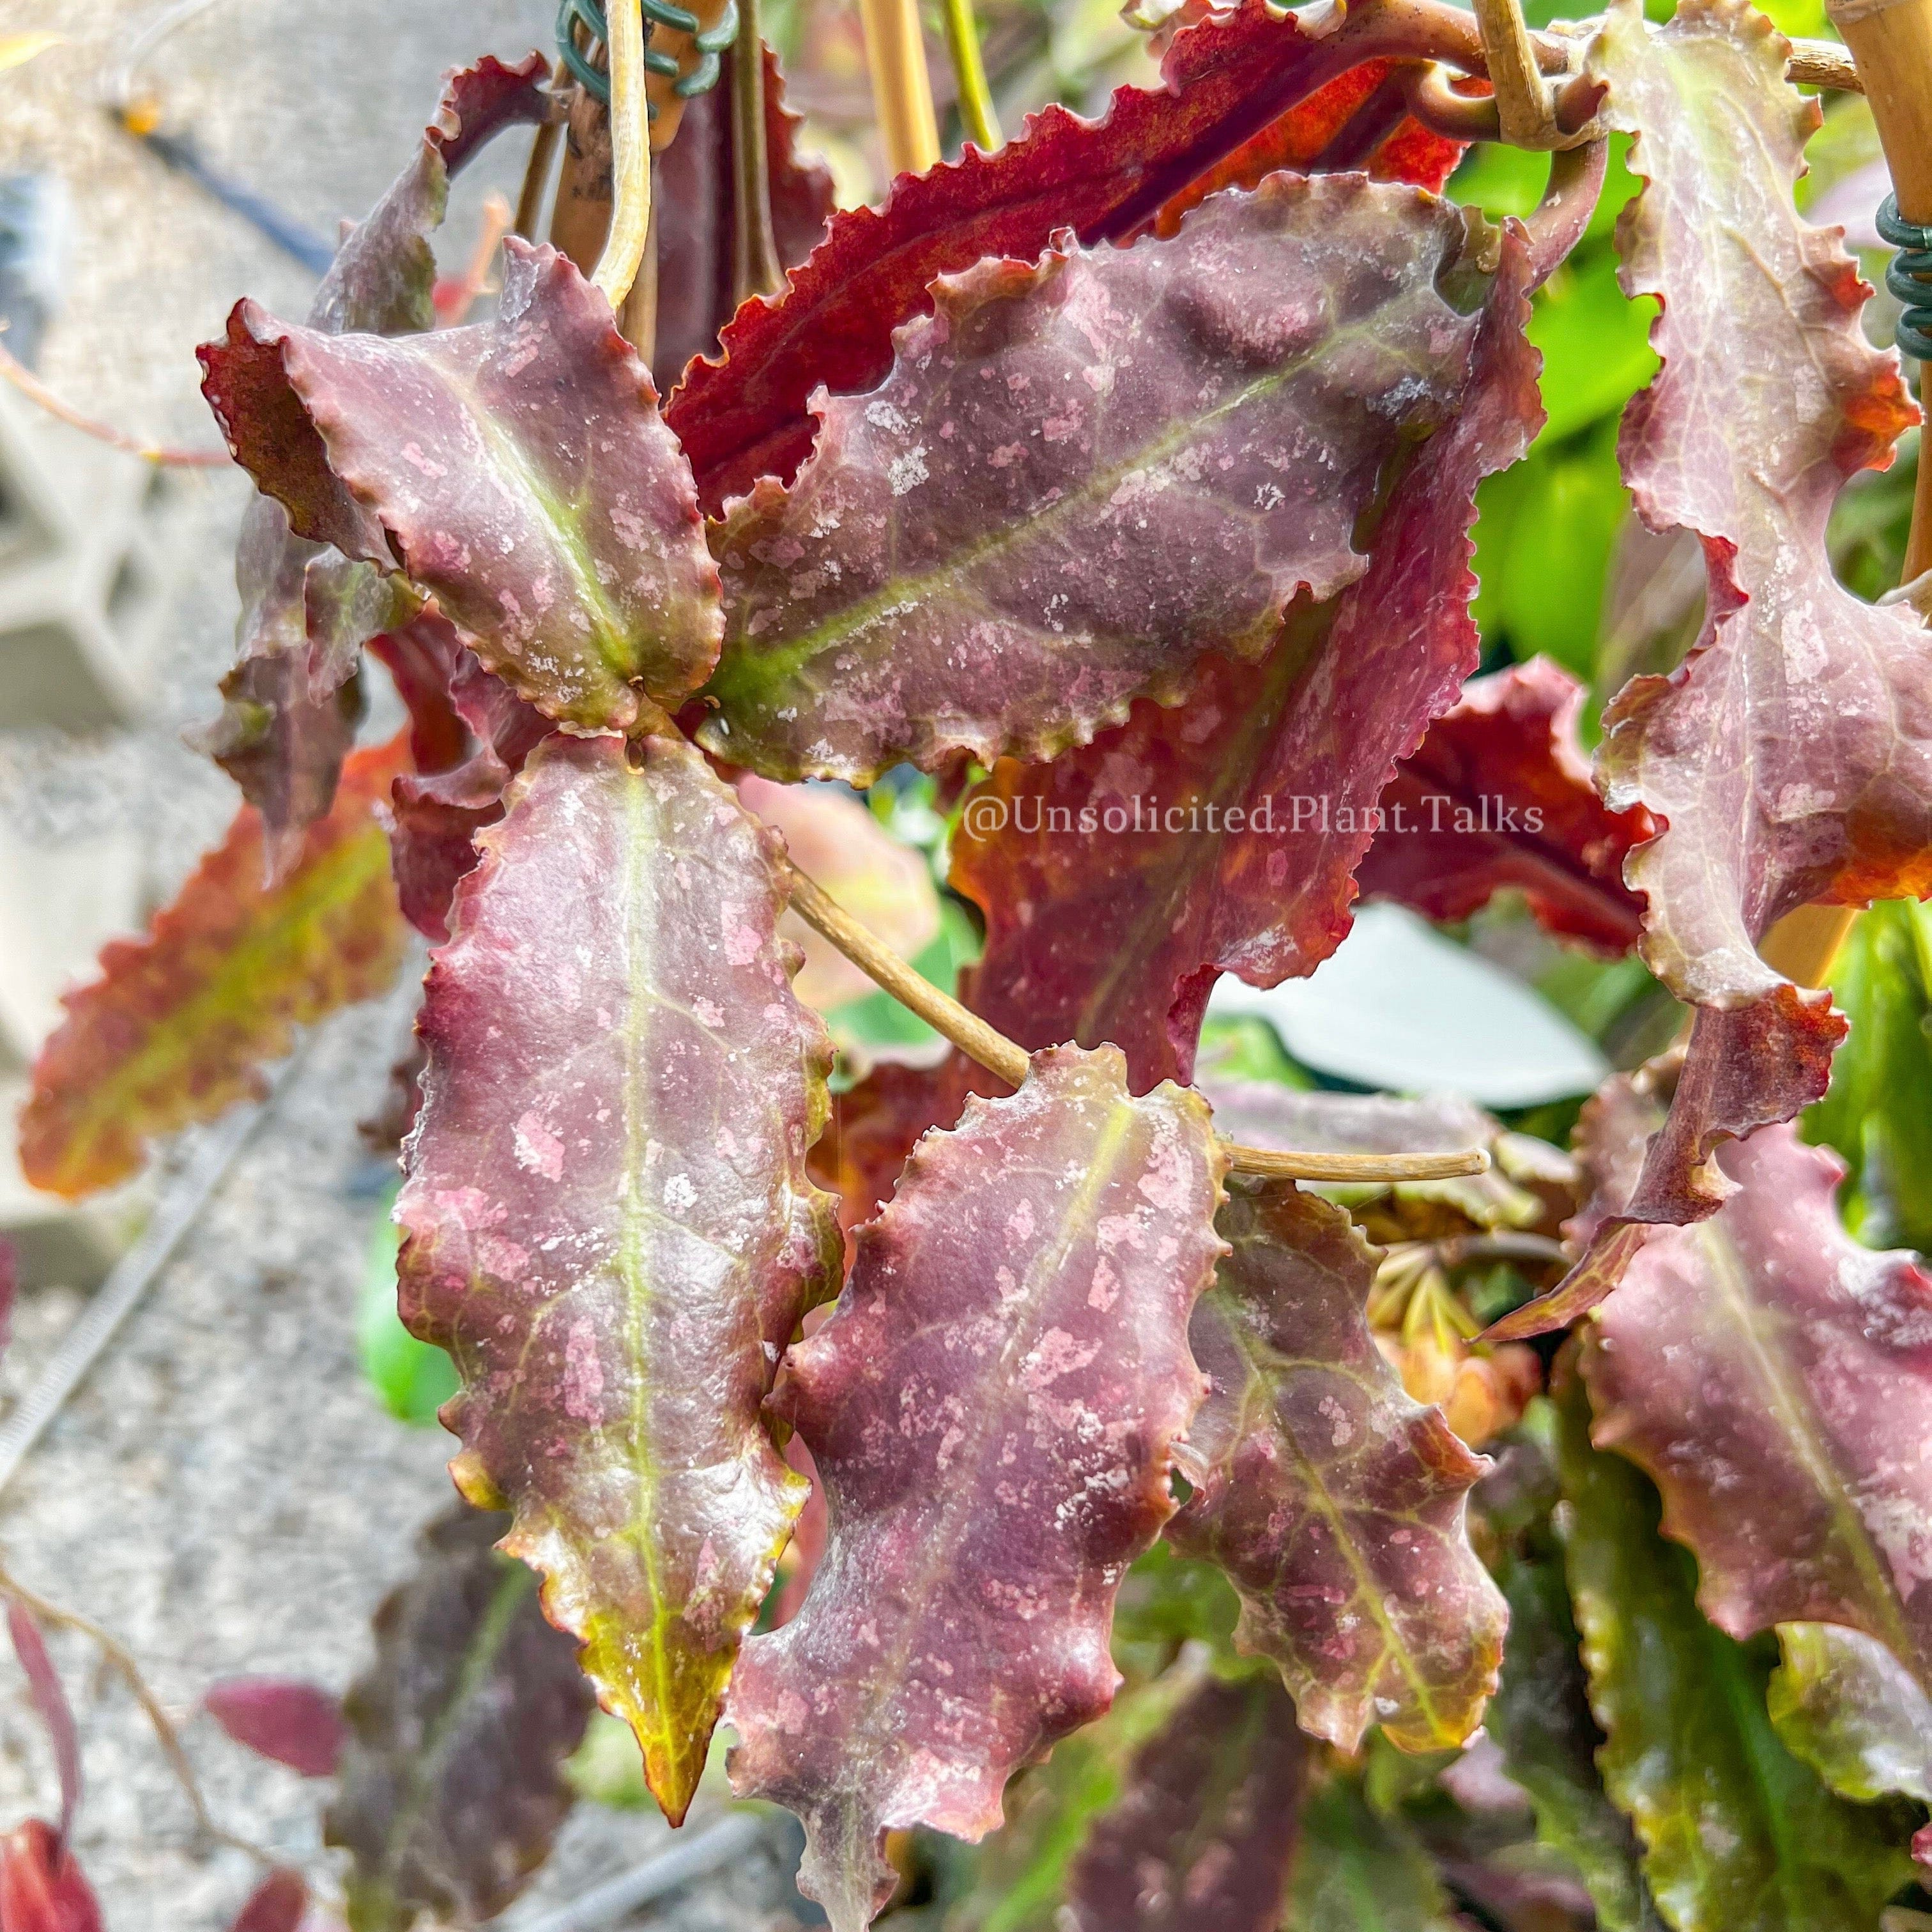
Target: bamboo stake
[(1890, 43), (630, 156), (994, 1051), (901, 87)]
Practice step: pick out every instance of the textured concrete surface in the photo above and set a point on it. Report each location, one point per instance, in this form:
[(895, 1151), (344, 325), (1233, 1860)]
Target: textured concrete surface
[(224, 1494)]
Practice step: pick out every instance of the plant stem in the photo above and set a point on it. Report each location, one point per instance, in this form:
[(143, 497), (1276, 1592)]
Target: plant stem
[(998, 1055), (1522, 101), (630, 156), (536, 178), (901, 87), (122, 1661), (755, 268), (976, 112)]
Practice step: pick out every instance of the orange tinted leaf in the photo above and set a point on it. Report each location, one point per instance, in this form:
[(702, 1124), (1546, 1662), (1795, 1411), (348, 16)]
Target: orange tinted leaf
[(179, 1022)]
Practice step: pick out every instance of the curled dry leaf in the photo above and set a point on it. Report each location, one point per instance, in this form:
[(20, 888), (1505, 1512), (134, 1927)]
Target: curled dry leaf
[(1336, 1504), (887, 887), (516, 468), (1790, 759), (1234, 76), (179, 1021), (992, 1409), (1121, 880), (1738, 1835), (297, 1724), (452, 1785), (1205, 1826), (1082, 475), (1775, 1379), (609, 1223), (291, 703), (1499, 795)]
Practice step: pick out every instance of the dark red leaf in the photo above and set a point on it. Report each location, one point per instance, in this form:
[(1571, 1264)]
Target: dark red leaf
[(41, 1887), (1232, 77), (1499, 795), (608, 1223), (291, 702), (438, 815), (452, 1785), (695, 203), (1336, 1504), (297, 1724), (277, 1904), (1115, 927)]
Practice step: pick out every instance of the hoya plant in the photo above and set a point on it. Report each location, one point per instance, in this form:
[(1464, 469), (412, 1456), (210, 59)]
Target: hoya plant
[(1228, 1504)]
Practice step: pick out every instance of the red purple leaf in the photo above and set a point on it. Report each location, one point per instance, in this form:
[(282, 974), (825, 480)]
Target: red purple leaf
[(1775, 1379), (438, 812), (42, 1889), (277, 1904), (1222, 835), (517, 468), (1499, 795), (1336, 1504), (1203, 1831), (1229, 79), (452, 1785), (297, 1724), (1790, 759), (291, 703), (609, 1222), (1082, 475), (49, 1701), (695, 198), (992, 1409), (179, 1022)]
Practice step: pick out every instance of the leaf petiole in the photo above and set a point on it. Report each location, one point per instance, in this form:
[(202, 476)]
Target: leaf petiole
[(998, 1055), (977, 114)]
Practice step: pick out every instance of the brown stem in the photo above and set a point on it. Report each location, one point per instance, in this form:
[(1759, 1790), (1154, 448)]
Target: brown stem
[(998, 1055), (536, 177), (160, 455), (755, 268), (122, 1661), (1523, 100)]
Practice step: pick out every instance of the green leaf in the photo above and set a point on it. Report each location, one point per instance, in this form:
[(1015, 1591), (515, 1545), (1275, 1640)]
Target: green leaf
[(1878, 1111), (1595, 343), (1571, 506), (1738, 1835), (1540, 1717), (1852, 1711), (1358, 1871), (413, 1379)]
